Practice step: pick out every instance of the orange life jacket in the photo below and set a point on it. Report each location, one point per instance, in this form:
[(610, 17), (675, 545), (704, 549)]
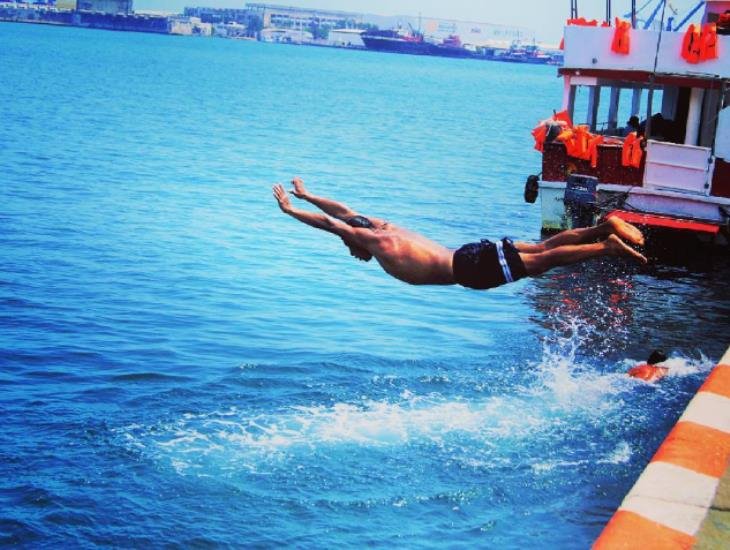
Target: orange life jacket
[(540, 133), (567, 137), (577, 141), (648, 373), (593, 144), (582, 22), (692, 44), (708, 42), (621, 37), (582, 137), (564, 117), (631, 153)]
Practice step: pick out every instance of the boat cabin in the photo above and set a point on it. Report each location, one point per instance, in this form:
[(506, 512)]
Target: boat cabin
[(678, 108)]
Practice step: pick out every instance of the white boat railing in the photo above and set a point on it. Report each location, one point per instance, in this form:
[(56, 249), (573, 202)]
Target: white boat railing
[(676, 167), (590, 48)]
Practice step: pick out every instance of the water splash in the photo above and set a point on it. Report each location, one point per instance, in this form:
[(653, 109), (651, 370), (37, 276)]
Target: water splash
[(570, 394)]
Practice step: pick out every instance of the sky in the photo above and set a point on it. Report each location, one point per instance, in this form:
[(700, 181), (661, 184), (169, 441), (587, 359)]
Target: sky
[(546, 17)]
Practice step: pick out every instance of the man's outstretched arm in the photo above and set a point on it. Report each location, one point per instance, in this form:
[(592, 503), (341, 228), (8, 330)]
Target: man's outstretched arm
[(320, 221), (328, 206)]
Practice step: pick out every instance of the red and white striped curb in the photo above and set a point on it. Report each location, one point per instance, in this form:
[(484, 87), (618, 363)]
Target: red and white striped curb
[(671, 498)]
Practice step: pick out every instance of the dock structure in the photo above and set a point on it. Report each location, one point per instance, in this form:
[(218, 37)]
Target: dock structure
[(682, 499)]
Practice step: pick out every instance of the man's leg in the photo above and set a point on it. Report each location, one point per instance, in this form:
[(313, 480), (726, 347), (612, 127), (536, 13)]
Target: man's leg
[(537, 263), (612, 226)]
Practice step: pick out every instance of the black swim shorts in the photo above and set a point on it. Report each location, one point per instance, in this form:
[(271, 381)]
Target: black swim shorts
[(486, 264)]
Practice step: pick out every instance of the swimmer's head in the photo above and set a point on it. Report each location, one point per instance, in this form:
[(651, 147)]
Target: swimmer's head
[(657, 356), (359, 221), (357, 251)]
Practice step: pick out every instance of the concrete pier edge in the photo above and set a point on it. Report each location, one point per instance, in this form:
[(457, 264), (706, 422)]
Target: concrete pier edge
[(682, 499)]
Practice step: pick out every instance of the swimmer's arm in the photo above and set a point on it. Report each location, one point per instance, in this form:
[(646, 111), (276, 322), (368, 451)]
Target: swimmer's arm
[(314, 219), (328, 206), (320, 221)]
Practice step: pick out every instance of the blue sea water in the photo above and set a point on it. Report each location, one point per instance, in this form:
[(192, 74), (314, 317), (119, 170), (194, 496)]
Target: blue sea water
[(183, 365)]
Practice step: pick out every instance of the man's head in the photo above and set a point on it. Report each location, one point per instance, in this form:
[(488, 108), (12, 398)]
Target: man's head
[(357, 251), (634, 121), (657, 356)]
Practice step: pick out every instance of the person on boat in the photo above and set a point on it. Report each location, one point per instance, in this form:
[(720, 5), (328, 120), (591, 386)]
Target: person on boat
[(414, 259), (632, 125), (657, 128), (650, 371)]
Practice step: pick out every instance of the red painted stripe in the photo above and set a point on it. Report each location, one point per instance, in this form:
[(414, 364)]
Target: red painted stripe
[(718, 381), (689, 445), (653, 220), (627, 530), (697, 448)]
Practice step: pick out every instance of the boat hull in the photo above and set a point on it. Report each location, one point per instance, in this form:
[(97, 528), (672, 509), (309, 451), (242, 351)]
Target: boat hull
[(711, 209), (396, 45)]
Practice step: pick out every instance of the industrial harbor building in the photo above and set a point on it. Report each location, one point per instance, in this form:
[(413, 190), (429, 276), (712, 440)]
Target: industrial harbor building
[(117, 7), (267, 22)]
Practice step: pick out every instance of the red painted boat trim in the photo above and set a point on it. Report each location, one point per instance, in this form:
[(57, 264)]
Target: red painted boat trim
[(653, 220)]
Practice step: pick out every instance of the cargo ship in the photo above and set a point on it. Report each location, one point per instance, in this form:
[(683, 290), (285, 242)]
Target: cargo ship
[(667, 168), (395, 41), (414, 43)]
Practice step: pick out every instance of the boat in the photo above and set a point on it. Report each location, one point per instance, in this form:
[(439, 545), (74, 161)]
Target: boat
[(524, 53), (395, 41), (413, 42), (670, 171), (451, 46)]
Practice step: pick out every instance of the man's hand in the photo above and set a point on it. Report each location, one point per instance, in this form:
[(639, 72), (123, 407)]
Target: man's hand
[(282, 197), (299, 190)]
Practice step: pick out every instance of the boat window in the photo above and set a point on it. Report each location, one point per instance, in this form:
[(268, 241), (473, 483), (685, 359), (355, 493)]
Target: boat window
[(608, 121)]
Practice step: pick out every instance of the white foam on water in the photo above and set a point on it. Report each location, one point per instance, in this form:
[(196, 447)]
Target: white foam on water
[(370, 423), (620, 455), (566, 395), (679, 367)]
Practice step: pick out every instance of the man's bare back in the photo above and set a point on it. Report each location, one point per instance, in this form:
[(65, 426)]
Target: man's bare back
[(417, 260), (413, 258)]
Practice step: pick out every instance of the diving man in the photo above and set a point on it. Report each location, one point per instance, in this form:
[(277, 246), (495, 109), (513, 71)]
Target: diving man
[(414, 259)]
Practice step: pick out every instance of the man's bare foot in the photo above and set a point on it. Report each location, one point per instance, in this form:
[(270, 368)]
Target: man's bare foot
[(625, 230), (617, 247)]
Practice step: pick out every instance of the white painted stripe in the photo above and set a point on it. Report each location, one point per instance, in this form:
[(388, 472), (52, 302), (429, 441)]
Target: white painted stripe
[(680, 517), (709, 409), (725, 358), (672, 483), (503, 263)]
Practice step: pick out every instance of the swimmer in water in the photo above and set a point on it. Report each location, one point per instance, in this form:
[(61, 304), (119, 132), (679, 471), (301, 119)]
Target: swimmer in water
[(650, 371), (414, 259)]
